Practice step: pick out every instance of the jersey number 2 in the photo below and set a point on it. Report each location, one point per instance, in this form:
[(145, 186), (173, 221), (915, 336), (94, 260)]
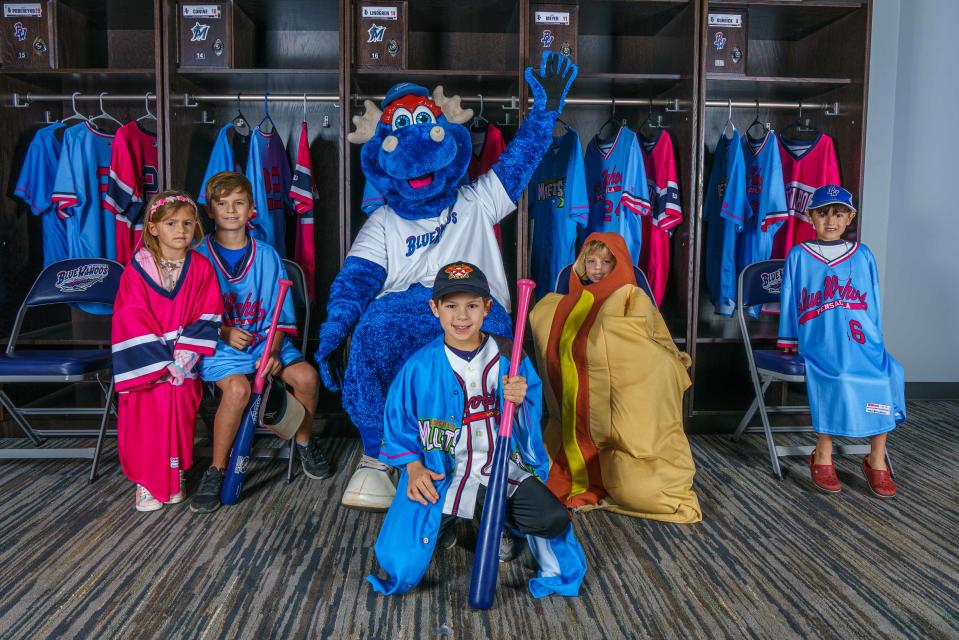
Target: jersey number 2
[(855, 328)]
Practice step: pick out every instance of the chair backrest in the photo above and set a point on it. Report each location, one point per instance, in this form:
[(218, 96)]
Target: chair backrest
[(301, 305), (562, 281)]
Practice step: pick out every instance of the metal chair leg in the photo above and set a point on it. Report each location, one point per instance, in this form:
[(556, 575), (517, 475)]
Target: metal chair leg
[(103, 430), (289, 466), (744, 423), (892, 473), (19, 419), (767, 428)]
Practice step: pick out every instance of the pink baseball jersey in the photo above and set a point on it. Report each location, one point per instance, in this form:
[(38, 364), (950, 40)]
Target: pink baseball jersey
[(666, 211), (133, 181), (807, 165), (302, 194)]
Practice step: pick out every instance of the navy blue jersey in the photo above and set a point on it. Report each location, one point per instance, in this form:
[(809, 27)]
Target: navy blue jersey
[(268, 170)]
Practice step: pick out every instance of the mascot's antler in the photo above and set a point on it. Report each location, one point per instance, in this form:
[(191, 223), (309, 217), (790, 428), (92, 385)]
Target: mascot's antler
[(451, 107), (365, 124)]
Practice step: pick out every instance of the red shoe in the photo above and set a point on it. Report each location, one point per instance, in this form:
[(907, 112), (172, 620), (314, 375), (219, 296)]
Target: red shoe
[(880, 480), (824, 475)]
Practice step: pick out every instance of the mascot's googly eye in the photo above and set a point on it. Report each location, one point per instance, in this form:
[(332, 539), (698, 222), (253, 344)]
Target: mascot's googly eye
[(401, 118), (423, 115)]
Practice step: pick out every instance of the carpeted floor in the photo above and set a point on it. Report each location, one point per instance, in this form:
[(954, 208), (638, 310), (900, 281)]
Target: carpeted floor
[(769, 560)]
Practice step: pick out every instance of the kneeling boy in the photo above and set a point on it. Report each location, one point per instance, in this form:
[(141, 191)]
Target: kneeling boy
[(442, 415), (249, 273)]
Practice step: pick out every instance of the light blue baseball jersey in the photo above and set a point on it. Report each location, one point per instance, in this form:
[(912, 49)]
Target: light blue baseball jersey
[(558, 210), (617, 189), (725, 210), (222, 158), (766, 195), (830, 309), (35, 187)]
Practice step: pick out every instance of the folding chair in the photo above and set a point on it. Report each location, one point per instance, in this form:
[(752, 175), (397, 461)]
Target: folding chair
[(562, 281), (301, 307), (80, 280), (758, 285)]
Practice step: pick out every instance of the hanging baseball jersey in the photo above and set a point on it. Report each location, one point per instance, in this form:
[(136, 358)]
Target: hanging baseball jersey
[(79, 190), (228, 150), (558, 209), (666, 211), (302, 195), (35, 187), (725, 210), (133, 181), (412, 251), (372, 199), (486, 151), (831, 311), (766, 196), (806, 165), (268, 170), (617, 189)]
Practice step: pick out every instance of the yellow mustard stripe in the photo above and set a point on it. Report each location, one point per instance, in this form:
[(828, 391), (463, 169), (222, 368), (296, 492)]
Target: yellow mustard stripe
[(570, 377)]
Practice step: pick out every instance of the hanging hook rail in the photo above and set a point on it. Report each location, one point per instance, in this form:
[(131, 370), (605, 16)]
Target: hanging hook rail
[(830, 108), (22, 100), (193, 100)]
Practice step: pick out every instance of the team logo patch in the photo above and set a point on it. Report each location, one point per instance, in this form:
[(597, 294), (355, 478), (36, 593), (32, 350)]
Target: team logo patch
[(39, 45), (719, 41), (174, 463), (81, 278), (881, 409), (547, 39), (566, 50), (833, 191), (218, 47), (199, 32), (772, 281), (19, 31), (392, 48), (376, 33), (458, 271), (437, 434)]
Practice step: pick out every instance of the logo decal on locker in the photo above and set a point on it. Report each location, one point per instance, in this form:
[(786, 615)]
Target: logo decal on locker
[(376, 33), (19, 31), (566, 50), (547, 39), (199, 32), (39, 45), (81, 278), (392, 48), (719, 41)]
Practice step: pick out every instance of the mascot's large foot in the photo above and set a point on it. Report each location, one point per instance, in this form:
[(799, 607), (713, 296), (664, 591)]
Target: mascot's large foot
[(371, 487)]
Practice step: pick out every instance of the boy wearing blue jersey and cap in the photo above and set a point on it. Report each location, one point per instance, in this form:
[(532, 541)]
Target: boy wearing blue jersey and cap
[(830, 311)]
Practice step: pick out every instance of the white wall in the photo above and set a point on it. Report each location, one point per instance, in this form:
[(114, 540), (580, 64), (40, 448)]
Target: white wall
[(911, 187)]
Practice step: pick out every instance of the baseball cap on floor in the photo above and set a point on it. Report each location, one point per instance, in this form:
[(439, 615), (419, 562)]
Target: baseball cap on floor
[(830, 194), (458, 277)]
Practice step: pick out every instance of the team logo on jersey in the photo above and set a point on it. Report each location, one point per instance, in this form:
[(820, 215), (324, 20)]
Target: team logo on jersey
[(81, 278), (415, 243), (547, 39), (772, 281), (832, 296), (797, 199), (199, 32), (554, 189), (19, 31), (437, 434), (238, 314), (376, 33), (719, 41)]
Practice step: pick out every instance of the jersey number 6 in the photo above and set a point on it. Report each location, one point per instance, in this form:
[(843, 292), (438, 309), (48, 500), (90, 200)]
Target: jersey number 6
[(855, 328)]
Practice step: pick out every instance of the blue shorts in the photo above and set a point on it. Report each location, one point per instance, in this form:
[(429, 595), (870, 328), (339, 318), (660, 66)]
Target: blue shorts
[(227, 361)]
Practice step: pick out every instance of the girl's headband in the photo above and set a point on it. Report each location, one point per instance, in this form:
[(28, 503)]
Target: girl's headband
[(170, 199)]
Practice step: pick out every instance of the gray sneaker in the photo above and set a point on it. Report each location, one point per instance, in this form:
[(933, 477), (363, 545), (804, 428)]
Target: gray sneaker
[(207, 496), (314, 463), (510, 546)]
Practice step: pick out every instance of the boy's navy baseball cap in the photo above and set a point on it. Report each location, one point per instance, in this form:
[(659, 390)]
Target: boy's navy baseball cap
[(458, 277), (831, 194)]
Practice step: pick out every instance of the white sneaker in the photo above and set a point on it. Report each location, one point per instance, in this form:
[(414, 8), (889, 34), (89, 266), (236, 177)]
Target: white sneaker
[(371, 488), (180, 495), (145, 501)]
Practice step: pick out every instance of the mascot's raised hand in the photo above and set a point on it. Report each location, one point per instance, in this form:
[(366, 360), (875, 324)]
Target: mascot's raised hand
[(415, 153)]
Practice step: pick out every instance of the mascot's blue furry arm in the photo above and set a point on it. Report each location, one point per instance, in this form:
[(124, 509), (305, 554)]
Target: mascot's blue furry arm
[(415, 153)]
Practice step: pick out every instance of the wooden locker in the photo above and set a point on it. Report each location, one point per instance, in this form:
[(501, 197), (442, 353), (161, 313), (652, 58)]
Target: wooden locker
[(215, 35)]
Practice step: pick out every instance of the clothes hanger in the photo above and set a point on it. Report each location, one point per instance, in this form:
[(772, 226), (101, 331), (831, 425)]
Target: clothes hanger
[(799, 126), (146, 106), (240, 124), (479, 122), (655, 125), (103, 115), (266, 115), (76, 115), (756, 120), (729, 120), (610, 121)]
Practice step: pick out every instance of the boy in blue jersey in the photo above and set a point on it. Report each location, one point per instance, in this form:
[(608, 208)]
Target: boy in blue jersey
[(440, 427), (830, 311), (249, 273)]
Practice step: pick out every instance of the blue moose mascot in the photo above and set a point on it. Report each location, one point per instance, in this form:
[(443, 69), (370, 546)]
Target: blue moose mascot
[(415, 152)]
